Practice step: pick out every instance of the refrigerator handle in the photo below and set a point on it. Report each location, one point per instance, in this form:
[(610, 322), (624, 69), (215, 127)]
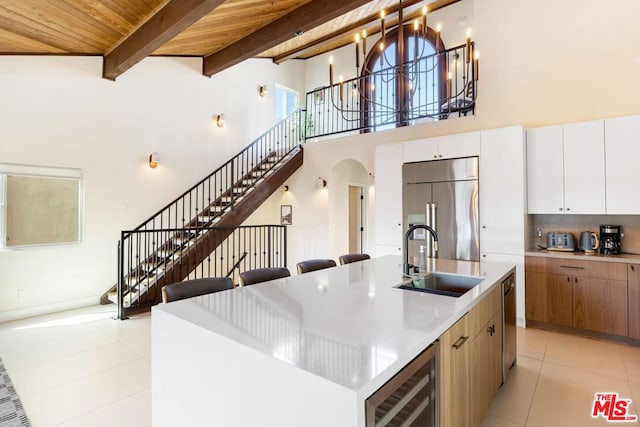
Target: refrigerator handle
[(431, 220)]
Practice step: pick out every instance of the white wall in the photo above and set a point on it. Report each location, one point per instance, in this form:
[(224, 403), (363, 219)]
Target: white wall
[(58, 111), (541, 63)]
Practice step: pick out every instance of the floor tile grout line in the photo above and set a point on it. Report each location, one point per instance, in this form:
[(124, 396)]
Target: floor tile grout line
[(102, 407), (44, 390), (76, 353)]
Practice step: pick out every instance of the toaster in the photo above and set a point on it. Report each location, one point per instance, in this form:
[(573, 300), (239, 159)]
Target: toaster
[(560, 241)]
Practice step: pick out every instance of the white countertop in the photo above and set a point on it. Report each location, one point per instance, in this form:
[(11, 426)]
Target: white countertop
[(623, 257), (346, 324)]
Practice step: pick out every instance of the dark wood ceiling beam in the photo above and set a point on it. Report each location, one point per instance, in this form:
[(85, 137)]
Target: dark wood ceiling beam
[(372, 20), (304, 18), (168, 22), (391, 13)]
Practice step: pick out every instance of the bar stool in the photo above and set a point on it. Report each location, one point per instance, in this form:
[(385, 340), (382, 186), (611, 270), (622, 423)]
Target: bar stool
[(259, 275), (194, 288), (314, 264), (348, 259)]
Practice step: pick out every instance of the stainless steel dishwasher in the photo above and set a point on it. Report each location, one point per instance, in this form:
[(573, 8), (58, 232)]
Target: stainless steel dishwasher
[(509, 325)]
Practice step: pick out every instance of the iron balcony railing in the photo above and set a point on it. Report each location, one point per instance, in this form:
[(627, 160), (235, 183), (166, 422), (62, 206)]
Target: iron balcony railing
[(433, 87), (150, 259)]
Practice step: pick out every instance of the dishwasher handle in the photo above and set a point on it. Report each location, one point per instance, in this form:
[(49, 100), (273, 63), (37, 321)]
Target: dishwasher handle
[(508, 286)]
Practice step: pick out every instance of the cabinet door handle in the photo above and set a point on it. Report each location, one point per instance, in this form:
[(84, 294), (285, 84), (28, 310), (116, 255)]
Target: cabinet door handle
[(568, 279), (491, 329), (632, 268), (575, 279), (460, 342), (560, 209), (571, 266), (568, 209)]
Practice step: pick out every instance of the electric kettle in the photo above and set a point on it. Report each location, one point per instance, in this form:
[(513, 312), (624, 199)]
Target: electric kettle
[(589, 242)]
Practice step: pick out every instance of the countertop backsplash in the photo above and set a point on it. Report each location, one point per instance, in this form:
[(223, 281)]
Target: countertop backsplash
[(577, 223)]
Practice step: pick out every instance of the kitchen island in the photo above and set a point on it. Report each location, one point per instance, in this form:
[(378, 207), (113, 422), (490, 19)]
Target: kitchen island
[(305, 350)]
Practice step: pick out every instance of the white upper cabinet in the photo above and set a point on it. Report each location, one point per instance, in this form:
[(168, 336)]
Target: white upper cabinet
[(442, 147), (566, 169), (584, 177), (545, 170), (502, 183), (623, 168), (388, 195), (459, 145), (420, 150)]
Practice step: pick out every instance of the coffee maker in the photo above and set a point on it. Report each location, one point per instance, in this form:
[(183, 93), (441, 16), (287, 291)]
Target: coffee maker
[(610, 239)]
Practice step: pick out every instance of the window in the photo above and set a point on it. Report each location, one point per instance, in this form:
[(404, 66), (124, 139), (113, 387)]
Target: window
[(39, 206), (286, 101), (392, 101)]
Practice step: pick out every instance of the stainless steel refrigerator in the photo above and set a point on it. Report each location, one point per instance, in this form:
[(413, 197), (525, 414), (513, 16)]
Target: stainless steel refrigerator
[(444, 195)]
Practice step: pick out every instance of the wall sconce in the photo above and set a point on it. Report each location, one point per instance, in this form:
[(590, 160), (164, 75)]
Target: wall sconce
[(322, 183), (220, 120), (153, 160), (262, 90)]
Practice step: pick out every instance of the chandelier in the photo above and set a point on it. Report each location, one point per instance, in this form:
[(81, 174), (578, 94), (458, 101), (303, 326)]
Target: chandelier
[(416, 79)]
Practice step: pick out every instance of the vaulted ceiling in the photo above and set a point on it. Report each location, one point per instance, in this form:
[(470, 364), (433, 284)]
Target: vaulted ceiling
[(223, 32)]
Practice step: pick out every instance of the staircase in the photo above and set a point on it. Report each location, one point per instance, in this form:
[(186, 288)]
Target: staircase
[(179, 239)]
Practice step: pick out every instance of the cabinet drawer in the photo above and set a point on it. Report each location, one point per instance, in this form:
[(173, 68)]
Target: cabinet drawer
[(594, 269), (484, 311), (576, 267)]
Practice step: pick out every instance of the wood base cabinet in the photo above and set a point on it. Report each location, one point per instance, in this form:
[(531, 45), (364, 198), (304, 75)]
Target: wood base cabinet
[(600, 305), (589, 295), (549, 298), (471, 364), (634, 300), (454, 375), (486, 368)]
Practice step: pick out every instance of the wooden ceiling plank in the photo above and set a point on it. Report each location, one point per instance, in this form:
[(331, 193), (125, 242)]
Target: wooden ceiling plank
[(303, 18), (45, 31), (342, 37), (341, 32), (169, 21), (105, 16), (12, 43), (224, 27)]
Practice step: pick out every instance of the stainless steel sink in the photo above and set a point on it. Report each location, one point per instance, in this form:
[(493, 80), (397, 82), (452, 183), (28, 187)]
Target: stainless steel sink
[(452, 285)]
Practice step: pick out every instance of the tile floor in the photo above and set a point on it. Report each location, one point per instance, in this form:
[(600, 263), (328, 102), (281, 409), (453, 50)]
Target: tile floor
[(81, 368)]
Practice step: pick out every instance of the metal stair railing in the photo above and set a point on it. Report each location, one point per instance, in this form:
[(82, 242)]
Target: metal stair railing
[(204, 204), (219, 191), (211, 251)]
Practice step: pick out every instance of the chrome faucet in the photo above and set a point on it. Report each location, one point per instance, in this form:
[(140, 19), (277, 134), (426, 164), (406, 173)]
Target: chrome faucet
[(406, 244)]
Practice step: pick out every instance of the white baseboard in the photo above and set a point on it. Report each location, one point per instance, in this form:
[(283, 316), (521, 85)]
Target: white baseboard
[(23, 313)]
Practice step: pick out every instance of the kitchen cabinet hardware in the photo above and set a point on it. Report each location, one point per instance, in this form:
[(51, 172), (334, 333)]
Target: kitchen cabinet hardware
[(458, 344), (491, 329), (572, 266)]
